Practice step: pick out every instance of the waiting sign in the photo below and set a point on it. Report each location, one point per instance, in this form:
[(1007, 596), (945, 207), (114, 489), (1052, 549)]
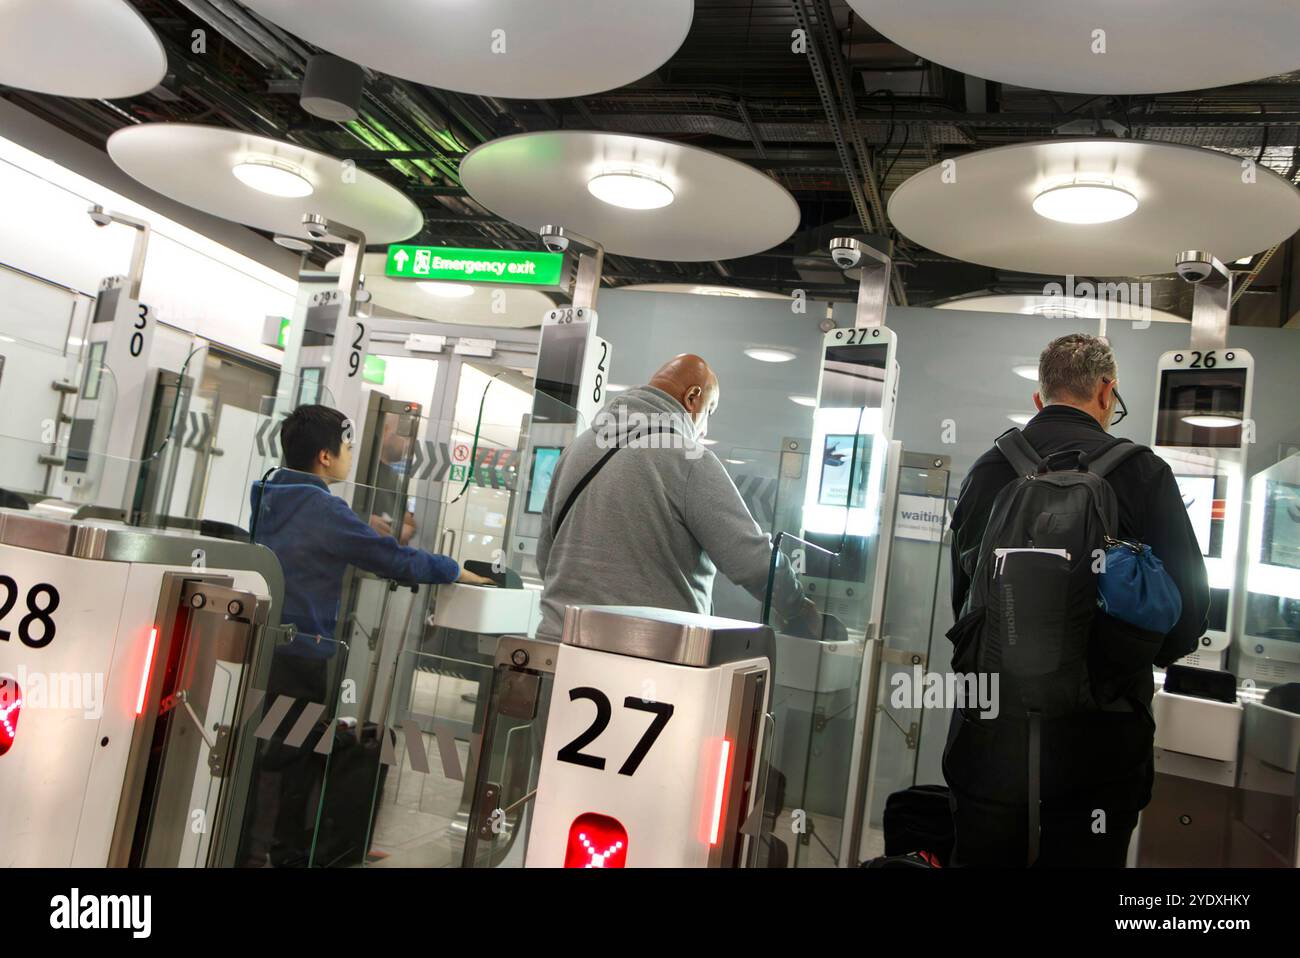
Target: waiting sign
[(449, 263)]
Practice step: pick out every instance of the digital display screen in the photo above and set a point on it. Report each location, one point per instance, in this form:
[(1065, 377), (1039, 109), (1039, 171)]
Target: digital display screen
[(79, 445), (539, 477), (854, 376), (559, 362), (1281, 542), (842, 455), (94, 371), (1201, 408), (1198, 499)]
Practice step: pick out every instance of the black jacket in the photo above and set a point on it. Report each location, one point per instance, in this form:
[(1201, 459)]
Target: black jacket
[(1106, 755)]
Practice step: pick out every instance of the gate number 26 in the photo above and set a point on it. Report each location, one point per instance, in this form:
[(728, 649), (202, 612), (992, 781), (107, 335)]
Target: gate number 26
[(573, 751)]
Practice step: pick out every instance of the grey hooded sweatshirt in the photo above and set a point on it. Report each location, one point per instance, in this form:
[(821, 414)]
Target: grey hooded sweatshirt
[(654, 525)]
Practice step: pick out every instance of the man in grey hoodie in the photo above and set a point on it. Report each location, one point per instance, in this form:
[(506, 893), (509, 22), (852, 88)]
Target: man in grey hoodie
[(661, 516)]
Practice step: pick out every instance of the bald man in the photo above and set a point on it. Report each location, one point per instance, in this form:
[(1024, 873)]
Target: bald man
[(639, 512)]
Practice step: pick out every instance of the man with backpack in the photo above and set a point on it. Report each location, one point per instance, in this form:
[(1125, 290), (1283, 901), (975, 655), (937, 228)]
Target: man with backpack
[(1059, 776)]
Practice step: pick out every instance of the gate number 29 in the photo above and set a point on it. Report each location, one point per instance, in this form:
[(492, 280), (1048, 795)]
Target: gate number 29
[(573, 753)]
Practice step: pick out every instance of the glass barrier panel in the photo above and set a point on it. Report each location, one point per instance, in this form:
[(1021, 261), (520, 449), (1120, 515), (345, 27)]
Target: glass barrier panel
[(908, 631)]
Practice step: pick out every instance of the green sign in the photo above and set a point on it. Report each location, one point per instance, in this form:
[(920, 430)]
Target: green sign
[(284, 333), (459, 473), (374, 369), (496, 266)]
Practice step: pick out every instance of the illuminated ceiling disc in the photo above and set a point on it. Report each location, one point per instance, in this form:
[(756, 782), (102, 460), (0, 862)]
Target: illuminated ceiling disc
[(1127, 308), (195, 165), (519, 306), (1098, 46), (702, 289), (721, 208), (980, 208), (506, 48), (101, 49)]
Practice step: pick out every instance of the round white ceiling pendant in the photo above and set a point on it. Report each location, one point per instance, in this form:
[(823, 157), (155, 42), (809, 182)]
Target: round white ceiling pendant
[(501, 306), (260, 182), (720, 208), (1089, 304), (101, 49), (981, 207), (506, 48), (703, 289), (1098, 46)]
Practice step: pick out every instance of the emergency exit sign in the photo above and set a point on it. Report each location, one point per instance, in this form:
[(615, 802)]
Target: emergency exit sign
[(449, 263)]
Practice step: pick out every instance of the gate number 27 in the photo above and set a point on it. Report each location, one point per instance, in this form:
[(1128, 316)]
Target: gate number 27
[(573, 751)]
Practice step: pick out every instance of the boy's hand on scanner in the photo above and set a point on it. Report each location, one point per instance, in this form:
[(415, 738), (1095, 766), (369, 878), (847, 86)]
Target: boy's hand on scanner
[(381, 525), (469, 578)]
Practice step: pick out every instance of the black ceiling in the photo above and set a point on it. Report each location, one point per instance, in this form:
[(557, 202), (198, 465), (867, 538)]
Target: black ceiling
[(840, 125)]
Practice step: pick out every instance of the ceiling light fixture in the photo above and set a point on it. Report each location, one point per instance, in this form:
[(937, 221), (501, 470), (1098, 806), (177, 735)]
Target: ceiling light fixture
[(1212, 422), (1063, 310), (803, 400), (630, 190), (273, 177), (767, 355), (1021, 418), (446, 290), (1026, 372), (1084, 202)]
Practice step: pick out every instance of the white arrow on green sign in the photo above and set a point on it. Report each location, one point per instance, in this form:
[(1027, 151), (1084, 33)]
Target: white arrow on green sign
[(488, 266)]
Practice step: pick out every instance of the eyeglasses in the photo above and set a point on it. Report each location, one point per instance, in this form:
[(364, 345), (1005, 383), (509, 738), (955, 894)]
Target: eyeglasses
[(1120, 412)]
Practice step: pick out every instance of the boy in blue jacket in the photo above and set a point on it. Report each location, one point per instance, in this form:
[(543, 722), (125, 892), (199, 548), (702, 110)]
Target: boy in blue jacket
[(316, 536)]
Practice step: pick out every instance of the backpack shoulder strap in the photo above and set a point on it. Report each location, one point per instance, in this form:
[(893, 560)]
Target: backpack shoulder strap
[(591, 474), (1106, 457), (1017, 450)]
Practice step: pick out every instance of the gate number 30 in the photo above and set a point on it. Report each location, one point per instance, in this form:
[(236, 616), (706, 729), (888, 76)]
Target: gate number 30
[(573, 752)]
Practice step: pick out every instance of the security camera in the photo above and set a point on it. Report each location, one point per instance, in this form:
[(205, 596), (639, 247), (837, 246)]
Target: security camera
[(554, 239), (98, 216), (1195, 266), (846, 252), (317, 227)]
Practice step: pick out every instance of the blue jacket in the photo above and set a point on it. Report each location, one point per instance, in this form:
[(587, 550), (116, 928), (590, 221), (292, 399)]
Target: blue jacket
[(316, 536)]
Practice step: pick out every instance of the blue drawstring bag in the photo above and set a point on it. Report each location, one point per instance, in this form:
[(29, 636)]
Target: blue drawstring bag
[(1135, 588)]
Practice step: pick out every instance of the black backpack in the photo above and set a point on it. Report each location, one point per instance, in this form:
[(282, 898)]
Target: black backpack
[(1029, 615)]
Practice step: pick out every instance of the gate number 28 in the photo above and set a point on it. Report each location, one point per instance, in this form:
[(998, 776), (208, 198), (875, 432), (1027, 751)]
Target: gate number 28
[(35, 613), (573, 752)]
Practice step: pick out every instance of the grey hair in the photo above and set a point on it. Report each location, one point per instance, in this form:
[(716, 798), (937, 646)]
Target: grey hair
[(1072, 366)]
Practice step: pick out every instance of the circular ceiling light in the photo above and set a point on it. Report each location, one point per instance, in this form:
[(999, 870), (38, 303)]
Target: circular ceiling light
[(809, 401), (699, 289), (292, 242), (615, 388), (630, 190), (446, 290), (1212, 422), (1021, 418), (273, 178), (1083, 203), (765, 355), (1060, 311), (1026, 372)]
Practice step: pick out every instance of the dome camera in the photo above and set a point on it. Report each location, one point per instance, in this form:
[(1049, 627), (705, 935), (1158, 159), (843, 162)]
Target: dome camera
[(1194, 266), (846, 252), (553, 238), (316, 226), (98, 216)]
